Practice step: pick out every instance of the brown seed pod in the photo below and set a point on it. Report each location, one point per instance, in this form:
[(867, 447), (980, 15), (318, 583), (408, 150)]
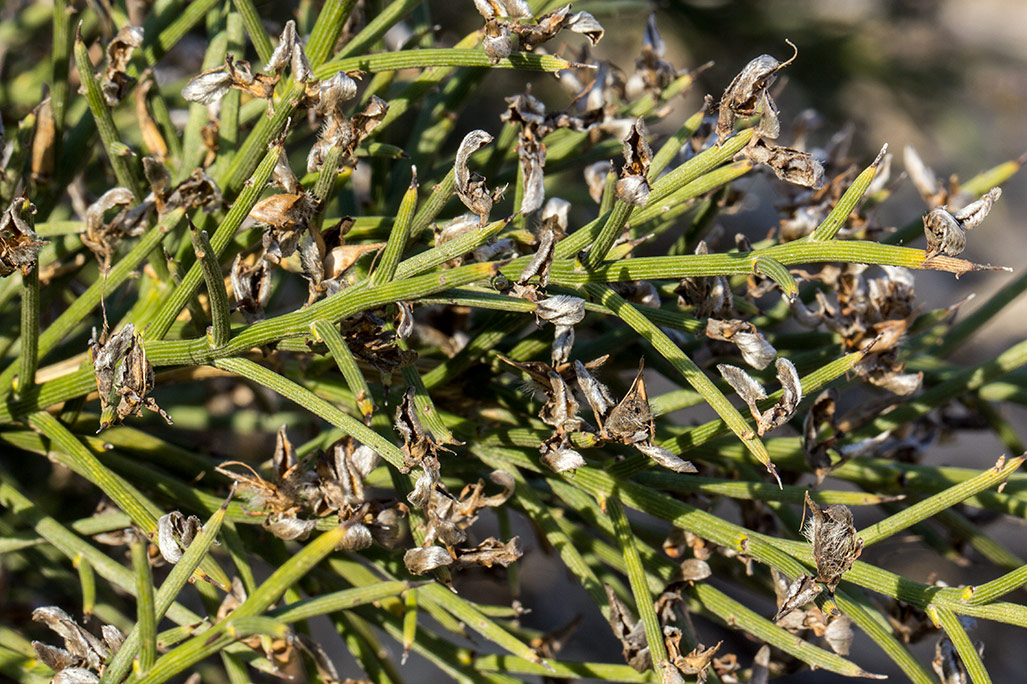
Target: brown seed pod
[(631, 420), (835, 544)]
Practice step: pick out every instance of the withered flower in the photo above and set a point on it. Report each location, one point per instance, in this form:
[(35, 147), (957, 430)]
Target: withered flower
[(633, 185), (555, 216), (630, 632), (561, 310), (946, 231), (749, 94), (755, 349), (542, 261), (85, 652), (347, 134), (470, 187), (211, 85), (923, 178), (251, 287), (175, 533), (695, 570), (666, 458), (652, 70), (696, 662), (821, 415), (559, 457), (490, 552), (123, 373), (799, 593), (116, 81), (789, 165), (835, 544), (631, 420), (948, 665), (425, 559), (100, 237), (563, 342), (19, 244), (290, 52), (551, 23), (752, 392), (838, 634), (710, 295), (595, 179)]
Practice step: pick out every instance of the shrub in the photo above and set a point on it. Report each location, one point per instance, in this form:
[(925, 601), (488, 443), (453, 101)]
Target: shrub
[(467, 331)]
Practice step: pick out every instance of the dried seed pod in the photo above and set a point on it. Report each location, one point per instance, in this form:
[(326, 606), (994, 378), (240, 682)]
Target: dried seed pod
[(175, 533), (631, 421), (211, 85), (290, 51), (470, 187), (695, 570), (498, 40), (838, 634), (665, 458), (358, 537), (755, 349), (821, 414), (835, 544), (417, 442), (56, 659), (123, 372), (748, 94), (119, 52), (922, 176), (789, 165), (551, 23), (102, 238), (633, 186), (289, 528), (19, 244), (563, 342), (946, 230), (425, 559), (799, 593)]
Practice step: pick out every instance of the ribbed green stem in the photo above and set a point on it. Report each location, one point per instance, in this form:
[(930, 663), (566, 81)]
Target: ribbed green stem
[(254, 28), (216, 292), (398, 238), (340, 351), (964, 647), (29, 330), (840, 213), (118, 153), (145, 618), (327, 30), (612, 230), (86, 580), (637, 580)]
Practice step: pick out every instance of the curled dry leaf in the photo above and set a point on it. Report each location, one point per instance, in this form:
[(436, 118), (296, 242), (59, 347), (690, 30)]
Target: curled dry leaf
[(748, 94), (789, 165), (470, 186), (835, 544), (946, 230), (116, 81), (425, 559), (175, 533), (19, 244), (633, 186)]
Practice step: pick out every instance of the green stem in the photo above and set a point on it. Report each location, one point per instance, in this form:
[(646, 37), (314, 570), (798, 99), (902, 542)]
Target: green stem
[(29, 330), (216, 292)]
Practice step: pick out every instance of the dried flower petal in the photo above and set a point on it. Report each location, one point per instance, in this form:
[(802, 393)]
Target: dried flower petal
[(174, 534), (491, 552), (946, 231), (561, 309), (563, 342), (789, 165), (75, 675), (748, 94), (542, 261), (559, 458), (630, 632), (19, 244), (800, 592), (425, 559), (470, 187), (119, 52), (595, 178), (839, 635), (633, 186), (665, 458), (748, 389), (922, 176), (791, 395), (80, 643), (289, 528)]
